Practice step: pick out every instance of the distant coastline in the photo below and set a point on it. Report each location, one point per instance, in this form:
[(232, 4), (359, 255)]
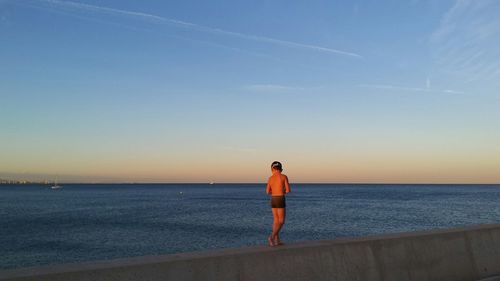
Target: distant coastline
[(46, 182), (13, 182)]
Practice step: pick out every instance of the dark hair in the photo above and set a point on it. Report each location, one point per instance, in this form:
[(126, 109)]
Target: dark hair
[(276, 165)]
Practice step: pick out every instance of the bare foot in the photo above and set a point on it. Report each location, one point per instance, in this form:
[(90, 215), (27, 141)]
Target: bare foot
[(270, 240), (277, 242)]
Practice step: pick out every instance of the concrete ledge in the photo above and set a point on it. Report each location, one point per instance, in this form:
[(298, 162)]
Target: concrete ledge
[(468, 253)]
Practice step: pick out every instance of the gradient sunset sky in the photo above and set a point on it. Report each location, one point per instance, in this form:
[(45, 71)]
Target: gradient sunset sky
[(197, 91)]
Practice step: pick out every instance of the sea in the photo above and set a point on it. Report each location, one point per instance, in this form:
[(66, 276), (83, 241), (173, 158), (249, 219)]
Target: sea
[(88, 222)]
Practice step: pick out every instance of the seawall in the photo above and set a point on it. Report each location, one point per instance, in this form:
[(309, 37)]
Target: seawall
[(468, 253)]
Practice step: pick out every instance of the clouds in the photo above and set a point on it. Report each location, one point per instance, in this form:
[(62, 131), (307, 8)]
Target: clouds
[(240, 149), (273, 88), (77, 6), (465, 44), (410, 89)]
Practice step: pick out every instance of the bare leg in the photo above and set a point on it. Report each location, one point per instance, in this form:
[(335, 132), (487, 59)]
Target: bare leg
[(281, 213), (276, 225)]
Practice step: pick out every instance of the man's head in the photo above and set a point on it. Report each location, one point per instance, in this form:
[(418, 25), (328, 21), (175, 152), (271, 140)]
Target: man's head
[(276, 166)]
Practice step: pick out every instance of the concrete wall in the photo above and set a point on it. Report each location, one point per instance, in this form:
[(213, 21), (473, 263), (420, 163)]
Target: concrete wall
[(456, 254)]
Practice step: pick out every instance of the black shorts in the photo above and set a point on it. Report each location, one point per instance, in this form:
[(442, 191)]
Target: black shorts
[(278, 202)]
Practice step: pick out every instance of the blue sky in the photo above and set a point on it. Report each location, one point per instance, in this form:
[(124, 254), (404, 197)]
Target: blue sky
[(340, 91)]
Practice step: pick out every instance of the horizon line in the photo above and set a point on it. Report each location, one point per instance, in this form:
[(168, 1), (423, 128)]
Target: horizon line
[(214, 183)]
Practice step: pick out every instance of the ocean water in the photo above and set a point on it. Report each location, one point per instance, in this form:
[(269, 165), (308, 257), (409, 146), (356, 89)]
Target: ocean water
[(84, 222)]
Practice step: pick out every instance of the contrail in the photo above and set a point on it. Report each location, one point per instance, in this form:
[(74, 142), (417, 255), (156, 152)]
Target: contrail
[(189, 25)]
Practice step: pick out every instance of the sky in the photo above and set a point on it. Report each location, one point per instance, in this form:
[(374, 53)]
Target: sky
[(389, 91)]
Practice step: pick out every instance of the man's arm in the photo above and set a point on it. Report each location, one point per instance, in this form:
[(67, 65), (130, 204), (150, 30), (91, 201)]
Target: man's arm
[(287, 185), (268, 188)]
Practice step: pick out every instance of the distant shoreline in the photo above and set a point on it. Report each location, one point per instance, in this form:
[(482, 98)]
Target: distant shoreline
[(228, 183)]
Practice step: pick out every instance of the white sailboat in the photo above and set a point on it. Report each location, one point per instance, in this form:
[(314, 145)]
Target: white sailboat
[(56, 186)]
